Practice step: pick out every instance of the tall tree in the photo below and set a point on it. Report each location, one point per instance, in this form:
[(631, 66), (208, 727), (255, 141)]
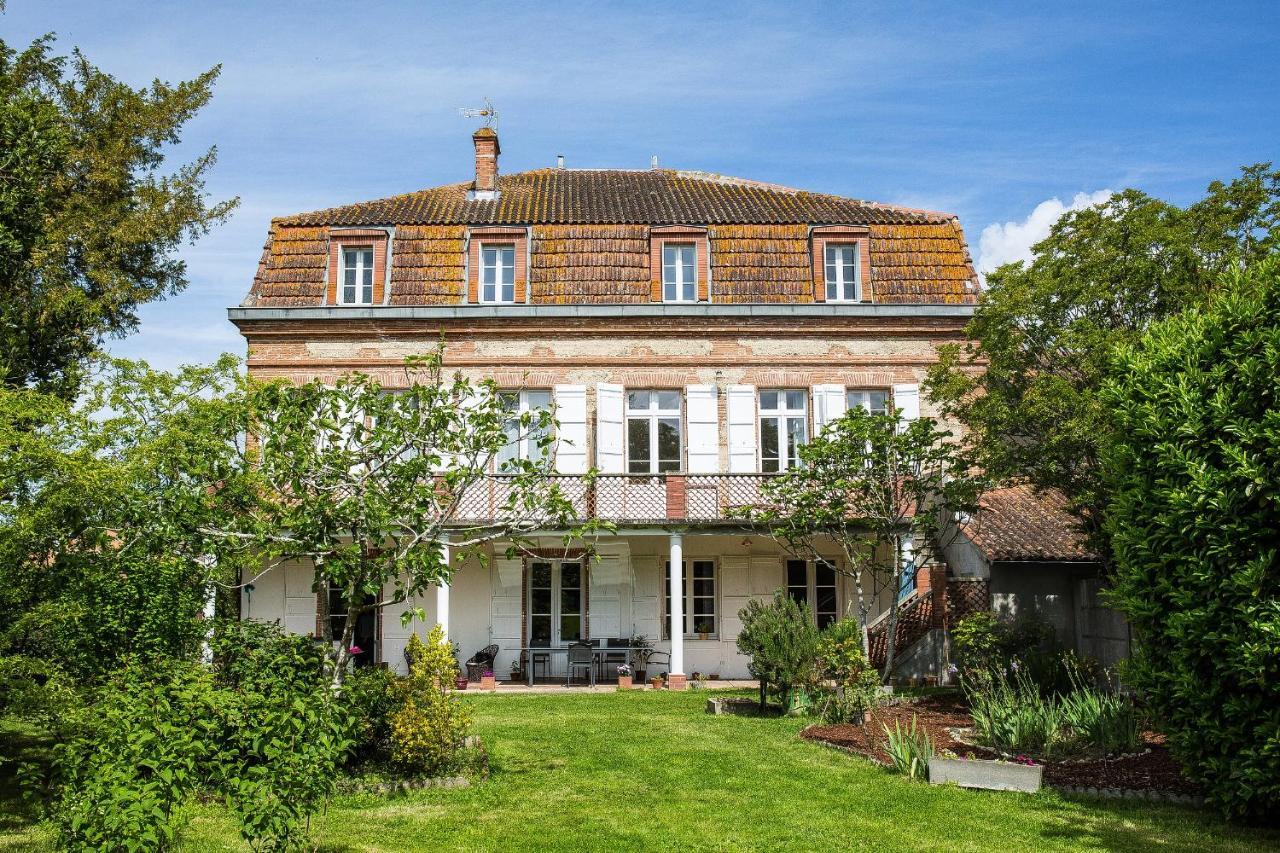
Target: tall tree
[(1044, 334), (89, 218), (887, 493), (370, 484)]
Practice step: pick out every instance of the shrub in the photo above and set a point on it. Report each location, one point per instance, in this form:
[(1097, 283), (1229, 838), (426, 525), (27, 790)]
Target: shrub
[(370, 694), (782, 642), (841, 660), (909, 750), (1012, 715), (1195, 525), (978, 642), (428, 729), (982, 643)]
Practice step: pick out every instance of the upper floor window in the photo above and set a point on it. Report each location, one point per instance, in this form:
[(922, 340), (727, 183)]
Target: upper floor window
[(842, 272), (814, 583), (357, 276), (679, 272), (653, 432), (498, 273), (875, 402), (523, 441), (783, 429)]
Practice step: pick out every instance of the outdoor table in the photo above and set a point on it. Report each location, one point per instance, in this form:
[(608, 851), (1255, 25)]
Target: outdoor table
[(596, 654)]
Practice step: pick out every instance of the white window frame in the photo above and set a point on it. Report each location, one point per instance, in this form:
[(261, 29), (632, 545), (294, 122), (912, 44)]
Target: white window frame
[(653, 414), (777, 419), (496, 265), (523, 404), (361, 254), (811, 586), (557, 615), (864, 398), (689, 617), (684, 291), (835, 264)]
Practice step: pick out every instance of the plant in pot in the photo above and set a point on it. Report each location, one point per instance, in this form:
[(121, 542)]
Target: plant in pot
[(641, 651), (460, 682), (656, 682), (516, 672), (488, 681), (624, 677), (703, 629)]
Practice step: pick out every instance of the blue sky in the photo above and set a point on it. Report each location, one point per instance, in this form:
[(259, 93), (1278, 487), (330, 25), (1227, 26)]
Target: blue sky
[(1001, 113)]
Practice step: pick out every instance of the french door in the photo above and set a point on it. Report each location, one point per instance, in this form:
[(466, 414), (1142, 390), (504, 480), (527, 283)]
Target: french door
[(556, 596)]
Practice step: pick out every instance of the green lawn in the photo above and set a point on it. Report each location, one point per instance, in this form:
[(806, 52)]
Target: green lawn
[(650, 770)]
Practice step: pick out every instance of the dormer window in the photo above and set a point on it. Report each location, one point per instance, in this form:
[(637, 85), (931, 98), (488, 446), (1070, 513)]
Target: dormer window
[(357, 276), (842, 272), (679, 272), (498, 273)]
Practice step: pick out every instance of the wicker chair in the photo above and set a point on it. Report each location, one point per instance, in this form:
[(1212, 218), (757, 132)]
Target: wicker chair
[(481, 662)]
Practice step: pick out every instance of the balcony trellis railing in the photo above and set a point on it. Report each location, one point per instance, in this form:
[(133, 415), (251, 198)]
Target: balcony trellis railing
[(651, 498)]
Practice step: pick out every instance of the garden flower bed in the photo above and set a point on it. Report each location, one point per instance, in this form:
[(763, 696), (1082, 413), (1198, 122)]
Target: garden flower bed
[(1153, 770)]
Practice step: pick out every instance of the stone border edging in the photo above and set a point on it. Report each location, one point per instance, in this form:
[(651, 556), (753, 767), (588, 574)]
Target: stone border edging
[(1193, 800)]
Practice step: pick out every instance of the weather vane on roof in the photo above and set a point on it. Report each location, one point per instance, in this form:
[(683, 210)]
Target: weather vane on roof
[(487, 112)]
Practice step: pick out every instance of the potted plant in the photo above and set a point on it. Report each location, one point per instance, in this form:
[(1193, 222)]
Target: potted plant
[(656, 682), (624, 677), (1018, 774), (641, 651), (703, 629), (516, 672), (460, 682), (487, 681)]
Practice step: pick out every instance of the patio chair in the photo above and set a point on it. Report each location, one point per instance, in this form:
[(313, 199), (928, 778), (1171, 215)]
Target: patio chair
[(582, 657), (481, 662)]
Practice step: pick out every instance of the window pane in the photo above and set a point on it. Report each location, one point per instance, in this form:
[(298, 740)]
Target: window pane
[(669, 255), (669, 291), (570, 628), (638, 399), (826, 599), (349, 293), (488, 293), (706, 587), (539, 601), (797, 573), (795, 438), (824, 574), (669, 444), (878, 401), (540, 630), (349, 274), (669, 400), (795, 400), (769, 400), (540, 575), (508, 293), (571, 575), (769, 445), (570, 601), (638, 461)]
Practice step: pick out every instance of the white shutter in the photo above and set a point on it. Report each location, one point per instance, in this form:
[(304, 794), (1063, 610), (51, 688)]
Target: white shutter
[(742, 429), (828, 405), (571, 439), (703, 421), (299, 597), (506, 577), (609, 415), (906, 401)]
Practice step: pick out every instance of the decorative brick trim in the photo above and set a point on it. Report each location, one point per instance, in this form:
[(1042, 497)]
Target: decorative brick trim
[(661, 235), (818, 240), (477, 237), (676, 681), (354, 238), (676, 496)]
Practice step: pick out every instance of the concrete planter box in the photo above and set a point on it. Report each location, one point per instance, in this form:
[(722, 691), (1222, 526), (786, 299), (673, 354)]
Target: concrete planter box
[(991, 775)]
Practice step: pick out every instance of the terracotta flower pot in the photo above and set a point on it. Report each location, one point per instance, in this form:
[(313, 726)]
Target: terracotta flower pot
[(488, 682), (656, 682), (624, 682)]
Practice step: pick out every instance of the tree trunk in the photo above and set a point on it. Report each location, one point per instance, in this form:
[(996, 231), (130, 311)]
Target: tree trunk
[(355, 608), (891, 628)]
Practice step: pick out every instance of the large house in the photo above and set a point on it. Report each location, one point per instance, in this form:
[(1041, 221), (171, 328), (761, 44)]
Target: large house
[(691, 330)]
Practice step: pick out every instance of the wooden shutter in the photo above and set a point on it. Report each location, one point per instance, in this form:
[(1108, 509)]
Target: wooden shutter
[(571, 438), (742, 429), (828, 405), (506, 609), (703, 422), (906, 402), (609, 428)]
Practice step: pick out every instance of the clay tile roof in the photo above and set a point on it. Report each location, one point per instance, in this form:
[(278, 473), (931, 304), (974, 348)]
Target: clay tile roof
[(613, 196), (1017, 523)]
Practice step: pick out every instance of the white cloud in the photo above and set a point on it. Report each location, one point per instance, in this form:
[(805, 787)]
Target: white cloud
[(1012, 241)]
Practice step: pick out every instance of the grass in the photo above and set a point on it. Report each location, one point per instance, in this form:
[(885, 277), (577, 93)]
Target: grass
[(647, 770)]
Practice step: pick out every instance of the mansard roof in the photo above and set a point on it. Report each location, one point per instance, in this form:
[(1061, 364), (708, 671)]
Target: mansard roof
[(617, 196)]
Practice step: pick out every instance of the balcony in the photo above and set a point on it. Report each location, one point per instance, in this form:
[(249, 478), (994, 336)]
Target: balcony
[(632, 498)]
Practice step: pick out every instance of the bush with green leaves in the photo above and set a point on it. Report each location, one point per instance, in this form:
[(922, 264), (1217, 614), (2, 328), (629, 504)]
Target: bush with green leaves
[(782, 641), (1195, 525), (429, 728), (372, 695), (850, 685)]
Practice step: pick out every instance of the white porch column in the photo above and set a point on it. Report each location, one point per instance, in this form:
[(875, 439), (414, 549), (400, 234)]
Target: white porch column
[(442, 597), (675, 678)]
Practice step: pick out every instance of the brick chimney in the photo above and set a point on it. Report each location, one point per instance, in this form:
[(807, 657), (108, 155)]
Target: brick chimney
[(487, 151)]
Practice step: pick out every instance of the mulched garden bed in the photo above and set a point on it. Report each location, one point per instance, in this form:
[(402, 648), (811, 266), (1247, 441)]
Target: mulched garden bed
[(1155, 770)]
